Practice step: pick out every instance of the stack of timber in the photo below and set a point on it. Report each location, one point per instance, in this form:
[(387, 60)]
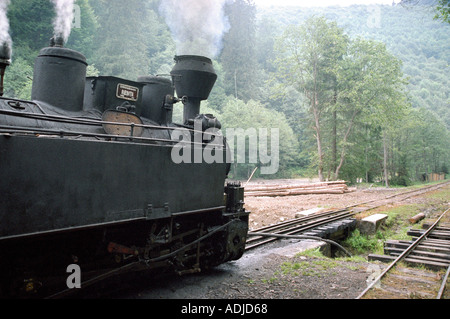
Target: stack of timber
[(334, 187)]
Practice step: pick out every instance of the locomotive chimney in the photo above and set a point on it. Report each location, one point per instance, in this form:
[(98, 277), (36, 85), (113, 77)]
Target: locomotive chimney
[(5, 60), (57, 41), (193, 77), (59, 76)]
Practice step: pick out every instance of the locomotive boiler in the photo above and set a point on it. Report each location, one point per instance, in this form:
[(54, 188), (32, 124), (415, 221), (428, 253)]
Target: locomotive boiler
[(88, 176)]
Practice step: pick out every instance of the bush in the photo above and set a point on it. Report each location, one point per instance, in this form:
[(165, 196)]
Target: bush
[(362, 243)]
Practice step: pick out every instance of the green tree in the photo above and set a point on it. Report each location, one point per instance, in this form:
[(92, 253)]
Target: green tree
[(250, 117), (18, 79), (309, 55), (31, 23), (371, 88), (82, 35), (441, 7), (443, 11), (238, 57), (122, 42)]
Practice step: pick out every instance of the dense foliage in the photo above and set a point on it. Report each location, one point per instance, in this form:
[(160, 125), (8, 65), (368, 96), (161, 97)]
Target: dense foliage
[(380, 108)]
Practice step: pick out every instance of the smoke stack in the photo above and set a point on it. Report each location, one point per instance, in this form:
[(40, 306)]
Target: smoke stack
[(57, 41), (59, 78), (193, 77), (5, 60)]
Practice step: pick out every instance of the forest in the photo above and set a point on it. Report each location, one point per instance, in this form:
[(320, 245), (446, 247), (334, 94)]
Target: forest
[(358, 93)]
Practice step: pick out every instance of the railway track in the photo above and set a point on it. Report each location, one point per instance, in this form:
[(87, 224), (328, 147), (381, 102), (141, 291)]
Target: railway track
[(396, 281), (329, 219), (299, 226)]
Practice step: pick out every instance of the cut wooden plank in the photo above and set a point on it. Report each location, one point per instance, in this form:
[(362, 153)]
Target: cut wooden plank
[(393, 251), (425, 246), (290, 193), (434, 234), (425, 258), (333, 187), (277, 186), (414, 261), (370, 224)]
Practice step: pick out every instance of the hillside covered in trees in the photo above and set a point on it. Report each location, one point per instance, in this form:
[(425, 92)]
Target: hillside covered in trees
[(371, 101)]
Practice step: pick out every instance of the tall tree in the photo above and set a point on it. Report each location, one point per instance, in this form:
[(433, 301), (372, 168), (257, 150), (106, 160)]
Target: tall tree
[(371, 88), (238, 57), (244, 120), (84, 29), (121, 38), (309, 56), (31, 23)]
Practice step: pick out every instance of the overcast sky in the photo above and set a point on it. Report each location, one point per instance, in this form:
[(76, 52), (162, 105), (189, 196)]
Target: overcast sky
[(315, 3)]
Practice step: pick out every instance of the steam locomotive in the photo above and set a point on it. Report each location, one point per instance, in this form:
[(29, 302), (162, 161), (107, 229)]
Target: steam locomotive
[(87, 176)]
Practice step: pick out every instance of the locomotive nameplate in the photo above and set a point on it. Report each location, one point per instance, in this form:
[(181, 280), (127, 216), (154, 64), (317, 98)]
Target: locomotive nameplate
[(127, 92)]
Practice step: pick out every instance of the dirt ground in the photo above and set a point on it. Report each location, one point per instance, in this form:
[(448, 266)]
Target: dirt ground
[(271, 210), (290, 276)]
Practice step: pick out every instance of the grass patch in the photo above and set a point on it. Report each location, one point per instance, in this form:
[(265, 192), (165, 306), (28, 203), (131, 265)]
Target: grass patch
[(397, 223), (317, 267), (395, 227), (318, 264), (441, 195), (314, 252), (361, 244)]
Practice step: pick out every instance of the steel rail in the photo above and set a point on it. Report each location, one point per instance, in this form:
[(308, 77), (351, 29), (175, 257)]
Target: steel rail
[(296, 229), (296, 226), (306, 237), (444, 283), (290, 224), (402, 255), (299, 220), (418, 190)]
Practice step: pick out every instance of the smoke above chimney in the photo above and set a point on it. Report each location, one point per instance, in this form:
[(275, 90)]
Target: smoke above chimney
[(5, 42), (5, 38), (63, 21), (197, 26)]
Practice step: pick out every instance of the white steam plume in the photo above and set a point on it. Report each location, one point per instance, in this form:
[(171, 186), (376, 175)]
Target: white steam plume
[(5, 38), (64, 17), (197, 26)]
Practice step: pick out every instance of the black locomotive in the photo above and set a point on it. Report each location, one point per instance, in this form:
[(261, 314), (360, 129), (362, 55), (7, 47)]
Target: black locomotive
[(87, 176)]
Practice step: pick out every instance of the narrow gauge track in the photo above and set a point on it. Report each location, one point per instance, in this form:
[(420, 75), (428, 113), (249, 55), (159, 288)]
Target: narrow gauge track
[(301, 225), (415, 286), (295, 227)]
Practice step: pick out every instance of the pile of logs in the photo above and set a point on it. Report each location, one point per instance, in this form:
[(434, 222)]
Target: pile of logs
[(334, 187)]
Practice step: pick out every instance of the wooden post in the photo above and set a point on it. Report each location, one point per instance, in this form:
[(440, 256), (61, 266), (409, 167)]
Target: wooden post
[(417, 218)]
